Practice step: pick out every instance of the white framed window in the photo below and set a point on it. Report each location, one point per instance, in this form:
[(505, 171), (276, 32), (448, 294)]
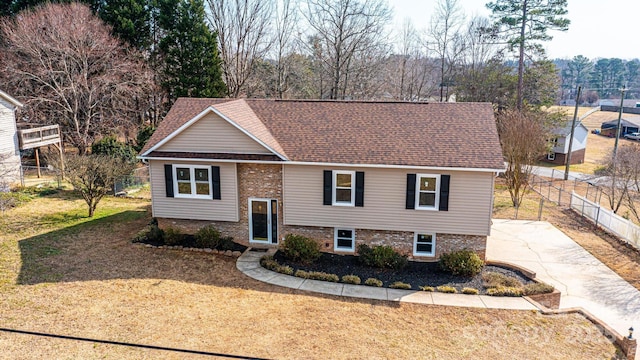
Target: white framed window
[(424, 244), (427, 191), (192, 181), (344, 184), (344, 240), (551, 156)]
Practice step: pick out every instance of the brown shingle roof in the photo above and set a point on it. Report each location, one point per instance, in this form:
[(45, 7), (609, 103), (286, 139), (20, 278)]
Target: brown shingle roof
[(460, 135)]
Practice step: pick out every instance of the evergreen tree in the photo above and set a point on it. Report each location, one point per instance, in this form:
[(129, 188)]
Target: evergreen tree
[(130, 20), (189, 50), (522, 23)]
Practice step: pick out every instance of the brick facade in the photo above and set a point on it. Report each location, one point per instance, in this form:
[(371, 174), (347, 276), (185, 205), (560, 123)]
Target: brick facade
[(264, 181), (577, 157)]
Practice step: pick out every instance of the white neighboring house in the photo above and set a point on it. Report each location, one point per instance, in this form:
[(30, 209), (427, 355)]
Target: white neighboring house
[(560, 144), (9, 147)]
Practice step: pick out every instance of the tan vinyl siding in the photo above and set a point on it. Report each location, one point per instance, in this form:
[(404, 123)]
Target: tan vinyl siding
[(470, 200), (212, 134), (225, 209)]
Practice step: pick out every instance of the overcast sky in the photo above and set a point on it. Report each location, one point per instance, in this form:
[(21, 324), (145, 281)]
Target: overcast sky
[(599, 29)]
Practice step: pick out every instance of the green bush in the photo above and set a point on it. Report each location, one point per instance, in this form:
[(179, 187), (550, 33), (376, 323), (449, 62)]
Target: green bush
[(284, 269), (493, 279), (207, 237), (269, 263), (373, 282), (537, 288), (226, 243), (470, 291), (427, 288), (446, 289), (323, 276), (143, 136), (299, 248), (505, 291), (381, 256), (351, 279), (462, 262), (110, 146), (150, 233), (400, 285), (173, 236)]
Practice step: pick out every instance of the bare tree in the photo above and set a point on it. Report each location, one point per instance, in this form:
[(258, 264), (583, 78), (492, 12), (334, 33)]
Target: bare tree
[(446, 39), (343, 31), (93, 176), (66, 67), (243, 37), (523, 139), (621, 178), (285, 22)]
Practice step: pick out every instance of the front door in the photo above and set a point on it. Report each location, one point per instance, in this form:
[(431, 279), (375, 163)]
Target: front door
[(263, 221)]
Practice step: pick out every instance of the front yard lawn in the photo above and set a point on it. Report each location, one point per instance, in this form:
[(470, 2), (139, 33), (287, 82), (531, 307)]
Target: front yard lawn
[(62, 273)]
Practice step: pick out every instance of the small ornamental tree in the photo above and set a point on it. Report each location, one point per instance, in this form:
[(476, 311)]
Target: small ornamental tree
[(93, 176)]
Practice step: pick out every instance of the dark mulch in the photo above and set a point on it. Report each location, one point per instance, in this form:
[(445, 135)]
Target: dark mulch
[(415, 273), (189, 241)]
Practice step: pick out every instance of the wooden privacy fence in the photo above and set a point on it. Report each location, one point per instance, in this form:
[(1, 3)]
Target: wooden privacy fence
[(603, 217)]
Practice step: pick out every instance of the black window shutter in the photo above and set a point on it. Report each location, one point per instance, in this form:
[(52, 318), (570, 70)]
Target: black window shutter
[(411, 191), (328, 179), (359, 188), (215, 182), (274, 221), (444, 192), (168, 180)]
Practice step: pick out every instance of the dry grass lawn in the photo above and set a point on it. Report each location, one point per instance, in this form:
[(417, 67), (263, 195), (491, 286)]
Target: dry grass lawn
[(61, 273)]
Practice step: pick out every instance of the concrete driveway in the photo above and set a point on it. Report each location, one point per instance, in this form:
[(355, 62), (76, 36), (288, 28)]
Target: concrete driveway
[(583, 280)]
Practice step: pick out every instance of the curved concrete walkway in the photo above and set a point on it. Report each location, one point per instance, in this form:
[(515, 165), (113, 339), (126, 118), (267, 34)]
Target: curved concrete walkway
[(556, 259), (249, 264)]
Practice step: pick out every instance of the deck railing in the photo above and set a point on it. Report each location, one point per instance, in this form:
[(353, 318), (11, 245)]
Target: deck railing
[(40, 136)]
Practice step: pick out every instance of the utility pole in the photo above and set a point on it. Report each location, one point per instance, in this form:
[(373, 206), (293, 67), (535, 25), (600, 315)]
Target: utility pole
[(615, 146), (573, 129)]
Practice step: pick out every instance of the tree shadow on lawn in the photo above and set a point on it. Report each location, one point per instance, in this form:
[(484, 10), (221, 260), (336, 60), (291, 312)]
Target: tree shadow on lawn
[(101, 249)]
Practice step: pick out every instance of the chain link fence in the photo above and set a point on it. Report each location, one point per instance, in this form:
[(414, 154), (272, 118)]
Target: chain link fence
[(131, 183)]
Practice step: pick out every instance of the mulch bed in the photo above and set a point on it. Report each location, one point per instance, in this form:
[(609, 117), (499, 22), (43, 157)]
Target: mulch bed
[(415, 273), (189, 241)]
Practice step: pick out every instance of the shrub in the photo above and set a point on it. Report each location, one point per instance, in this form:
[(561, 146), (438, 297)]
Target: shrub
[(323, 276), (470, 291), (537, 288), (493, 279), (143, 136), (301, 274), (300, 249), (269, 263), (150, 233), (400, 285), (505, 291), (427, 288), (351, 279), (462, 262), (207, 237), (173, 236), (381, 256), (226, 243), (446, 289), (373, 282), (110, 146)]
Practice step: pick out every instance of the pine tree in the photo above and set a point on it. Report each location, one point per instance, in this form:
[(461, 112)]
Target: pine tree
[(522, 23), (189, 50), (130, 20)]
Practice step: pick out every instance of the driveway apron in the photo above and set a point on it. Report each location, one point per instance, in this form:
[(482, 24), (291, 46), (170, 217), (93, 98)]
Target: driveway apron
[(556, 259)]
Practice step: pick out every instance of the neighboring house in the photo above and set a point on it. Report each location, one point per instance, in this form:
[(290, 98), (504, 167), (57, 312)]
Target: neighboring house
[(627, 126), (416, 176), (9, 147), (559, 148)]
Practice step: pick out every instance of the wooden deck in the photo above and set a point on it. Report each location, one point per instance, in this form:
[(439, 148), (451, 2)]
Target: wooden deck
[(40, 136)]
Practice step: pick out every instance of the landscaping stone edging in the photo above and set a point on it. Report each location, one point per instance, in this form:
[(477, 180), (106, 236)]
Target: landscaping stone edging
[(229, 253), (628, 346)]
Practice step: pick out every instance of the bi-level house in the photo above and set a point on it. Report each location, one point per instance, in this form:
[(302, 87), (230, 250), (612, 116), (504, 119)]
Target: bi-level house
[(416, 176)]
